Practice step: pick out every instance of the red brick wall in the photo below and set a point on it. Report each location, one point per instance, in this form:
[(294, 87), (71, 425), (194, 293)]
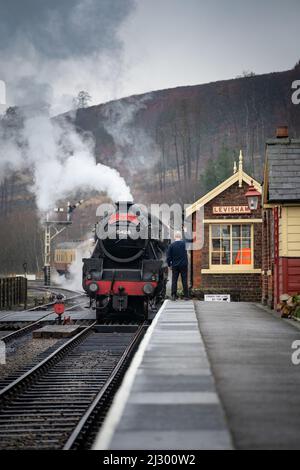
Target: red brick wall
[(196, 256), (233, 196), (196, 269), (245, 287)]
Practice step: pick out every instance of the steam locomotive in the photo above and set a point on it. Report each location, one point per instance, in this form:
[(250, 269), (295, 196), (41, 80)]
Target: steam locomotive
[(127, 272)]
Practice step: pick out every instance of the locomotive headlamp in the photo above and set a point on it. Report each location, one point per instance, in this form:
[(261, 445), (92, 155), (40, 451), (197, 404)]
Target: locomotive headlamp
[(89, 276), (93, 287), (148, 289)]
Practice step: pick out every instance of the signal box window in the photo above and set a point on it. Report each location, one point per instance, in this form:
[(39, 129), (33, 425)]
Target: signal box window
[(231, 245)]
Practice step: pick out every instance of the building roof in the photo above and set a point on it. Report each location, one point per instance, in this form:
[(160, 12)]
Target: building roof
[(238, 176), (282, 171), (68, 245)]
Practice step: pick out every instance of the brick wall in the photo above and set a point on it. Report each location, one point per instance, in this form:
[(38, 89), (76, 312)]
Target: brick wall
[(244, 287), (196, 269), (233, 196)]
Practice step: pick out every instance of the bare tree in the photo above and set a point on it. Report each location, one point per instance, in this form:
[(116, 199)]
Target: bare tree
[(175, 137), (82, 100)]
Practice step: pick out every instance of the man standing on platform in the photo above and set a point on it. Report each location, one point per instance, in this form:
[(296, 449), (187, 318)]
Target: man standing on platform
[(177, 260)]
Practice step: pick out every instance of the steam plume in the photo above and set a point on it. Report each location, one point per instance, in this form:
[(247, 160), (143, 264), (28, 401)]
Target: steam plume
[(61, 161)]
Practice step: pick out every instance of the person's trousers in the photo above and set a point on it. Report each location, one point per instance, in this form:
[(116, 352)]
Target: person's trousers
[(183, 271)]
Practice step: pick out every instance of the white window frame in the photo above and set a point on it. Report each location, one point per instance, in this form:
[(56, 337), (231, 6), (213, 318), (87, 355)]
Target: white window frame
[(232, 268)]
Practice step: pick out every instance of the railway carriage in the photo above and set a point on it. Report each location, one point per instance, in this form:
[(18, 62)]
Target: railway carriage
[(64, 255)]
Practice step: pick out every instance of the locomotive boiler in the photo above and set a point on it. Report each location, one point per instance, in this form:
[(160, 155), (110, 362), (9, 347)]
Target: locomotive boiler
[(127, 272)]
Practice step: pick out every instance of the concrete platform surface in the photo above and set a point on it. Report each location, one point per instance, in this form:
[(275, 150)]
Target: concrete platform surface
[(250, 351), (56, 331), (168, 398)]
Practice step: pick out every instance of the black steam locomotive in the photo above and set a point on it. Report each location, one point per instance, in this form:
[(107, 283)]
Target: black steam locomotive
[(127, 271)]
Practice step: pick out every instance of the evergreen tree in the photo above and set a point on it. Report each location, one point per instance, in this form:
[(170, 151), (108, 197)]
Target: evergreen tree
[(224, 164), (218, 170), (208, 179)]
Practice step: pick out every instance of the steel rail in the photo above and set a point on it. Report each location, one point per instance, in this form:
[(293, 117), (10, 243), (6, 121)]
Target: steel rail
[(43, 306), (32, 326), (28, 377), (101, 399)]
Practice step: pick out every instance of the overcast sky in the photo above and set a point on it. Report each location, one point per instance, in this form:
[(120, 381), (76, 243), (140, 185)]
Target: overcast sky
[(181, 42), (115, 48)]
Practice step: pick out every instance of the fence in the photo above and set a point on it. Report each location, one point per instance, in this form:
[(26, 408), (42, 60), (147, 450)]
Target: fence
[(13, 292)]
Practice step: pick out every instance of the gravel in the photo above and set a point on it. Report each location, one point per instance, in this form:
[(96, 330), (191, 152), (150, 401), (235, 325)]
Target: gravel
[(20, 356)]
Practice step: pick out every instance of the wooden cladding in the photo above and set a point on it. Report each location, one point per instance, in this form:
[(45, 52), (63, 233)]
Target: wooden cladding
[(13, 292), (289, 232)]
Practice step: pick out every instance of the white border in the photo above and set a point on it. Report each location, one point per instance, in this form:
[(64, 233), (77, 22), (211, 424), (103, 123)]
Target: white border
[(104, 437)]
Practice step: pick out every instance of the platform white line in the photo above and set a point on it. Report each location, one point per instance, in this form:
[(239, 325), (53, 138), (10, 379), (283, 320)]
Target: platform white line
[(174, 398)]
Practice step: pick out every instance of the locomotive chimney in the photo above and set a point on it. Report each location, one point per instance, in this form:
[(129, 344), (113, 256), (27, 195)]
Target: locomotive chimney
[(282, 132), (123, 205)]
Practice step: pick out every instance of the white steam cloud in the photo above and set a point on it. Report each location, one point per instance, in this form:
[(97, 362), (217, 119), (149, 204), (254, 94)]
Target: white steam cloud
[(48, 52), (74, 279), (61, 162)]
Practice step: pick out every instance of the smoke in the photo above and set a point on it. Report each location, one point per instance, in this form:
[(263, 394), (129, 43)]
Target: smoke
[(132, 143), (61, 161), (74, 280), (120, 114), (55, 49)]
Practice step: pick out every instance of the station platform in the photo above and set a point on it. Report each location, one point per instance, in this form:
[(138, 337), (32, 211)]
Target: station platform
[(168, 398), (250, 348)]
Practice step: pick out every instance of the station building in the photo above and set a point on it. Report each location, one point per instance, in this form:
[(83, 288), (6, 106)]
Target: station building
[(281, 218), (230, 259)]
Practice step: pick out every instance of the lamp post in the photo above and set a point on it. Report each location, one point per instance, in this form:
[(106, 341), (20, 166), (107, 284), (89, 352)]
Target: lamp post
[(252, 196)]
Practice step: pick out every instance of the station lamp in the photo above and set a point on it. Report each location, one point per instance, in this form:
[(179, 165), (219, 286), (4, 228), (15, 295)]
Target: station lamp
[(252, 196)]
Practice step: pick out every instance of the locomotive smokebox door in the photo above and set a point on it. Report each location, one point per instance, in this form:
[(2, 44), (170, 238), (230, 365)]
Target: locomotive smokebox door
[(120, 302)]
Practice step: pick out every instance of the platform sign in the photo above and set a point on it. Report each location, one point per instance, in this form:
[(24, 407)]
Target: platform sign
[(231, 210), (217, 297)]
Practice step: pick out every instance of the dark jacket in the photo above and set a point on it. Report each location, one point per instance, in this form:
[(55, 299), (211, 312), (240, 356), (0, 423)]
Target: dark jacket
[(177, 255)]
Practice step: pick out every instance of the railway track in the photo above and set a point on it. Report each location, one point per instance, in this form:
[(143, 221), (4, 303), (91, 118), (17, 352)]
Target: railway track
[(28, 328), (60, 402), (32, 326), (54, 290)]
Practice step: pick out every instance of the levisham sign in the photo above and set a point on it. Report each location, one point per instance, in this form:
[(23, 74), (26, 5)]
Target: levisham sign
[(231, 210)]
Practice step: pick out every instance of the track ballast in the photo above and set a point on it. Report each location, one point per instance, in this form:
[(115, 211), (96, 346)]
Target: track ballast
[(61, 402)]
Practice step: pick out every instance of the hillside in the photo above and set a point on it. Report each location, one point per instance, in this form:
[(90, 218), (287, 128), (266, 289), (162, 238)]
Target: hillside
[(174, 133), (165, 144)]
